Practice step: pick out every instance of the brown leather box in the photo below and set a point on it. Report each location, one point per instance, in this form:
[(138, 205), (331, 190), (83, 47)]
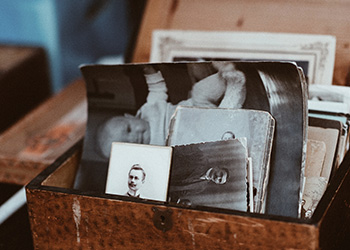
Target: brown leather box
[(24, 82), (64, 218)]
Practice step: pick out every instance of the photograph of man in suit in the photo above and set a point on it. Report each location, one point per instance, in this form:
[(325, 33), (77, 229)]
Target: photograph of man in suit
[(195, 180), (209, 174), (136, 179)]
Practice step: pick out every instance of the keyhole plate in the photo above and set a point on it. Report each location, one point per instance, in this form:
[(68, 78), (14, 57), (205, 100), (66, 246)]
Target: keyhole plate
[(162, 219)]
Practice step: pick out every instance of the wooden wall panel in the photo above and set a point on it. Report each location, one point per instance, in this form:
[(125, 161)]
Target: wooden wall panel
[(288, 16)]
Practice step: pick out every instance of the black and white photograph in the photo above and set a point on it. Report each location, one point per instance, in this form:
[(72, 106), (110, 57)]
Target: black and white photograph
[(212, 174), (156, 89), (331, 99), (315, 54), (214, 124), (140, 171)]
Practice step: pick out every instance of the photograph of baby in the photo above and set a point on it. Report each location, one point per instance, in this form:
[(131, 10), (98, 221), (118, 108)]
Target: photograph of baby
[(140, 171), (135, 102)]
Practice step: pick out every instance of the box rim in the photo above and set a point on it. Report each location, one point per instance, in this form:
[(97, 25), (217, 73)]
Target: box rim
[(315, 220)]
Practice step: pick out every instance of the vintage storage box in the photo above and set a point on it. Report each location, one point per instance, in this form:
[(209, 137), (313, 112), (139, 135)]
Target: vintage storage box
[(44, 134), (64, 218)]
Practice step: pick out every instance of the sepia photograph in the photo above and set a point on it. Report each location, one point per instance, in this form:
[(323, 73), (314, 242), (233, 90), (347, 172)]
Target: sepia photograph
[(214, 124), (139, 171), (210, 174), (315, 54)]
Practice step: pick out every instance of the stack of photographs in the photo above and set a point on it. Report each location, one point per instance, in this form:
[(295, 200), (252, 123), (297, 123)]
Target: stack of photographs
[(328, 140), (214, 122), (247, 117)]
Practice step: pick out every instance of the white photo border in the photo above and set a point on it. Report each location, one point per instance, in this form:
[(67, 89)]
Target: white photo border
[(317, 50), (155, 160)]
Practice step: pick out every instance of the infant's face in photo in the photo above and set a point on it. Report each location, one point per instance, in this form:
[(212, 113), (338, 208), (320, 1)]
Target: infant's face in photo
[(122, 129)]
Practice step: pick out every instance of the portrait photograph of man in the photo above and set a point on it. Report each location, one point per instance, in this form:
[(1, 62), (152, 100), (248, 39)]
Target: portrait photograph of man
[(210, 174), (136, 179), (139, 171)]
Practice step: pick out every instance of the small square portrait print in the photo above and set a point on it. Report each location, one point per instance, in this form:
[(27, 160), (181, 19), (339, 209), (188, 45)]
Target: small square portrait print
[(140, 171)]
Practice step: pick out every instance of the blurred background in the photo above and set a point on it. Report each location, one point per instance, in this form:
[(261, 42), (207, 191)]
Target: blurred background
[(72, 32), (42, 45)]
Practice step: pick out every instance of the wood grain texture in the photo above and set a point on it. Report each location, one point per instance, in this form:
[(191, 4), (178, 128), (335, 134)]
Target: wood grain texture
[(305, 17), (63, 218), (40, 137), (64, 221)]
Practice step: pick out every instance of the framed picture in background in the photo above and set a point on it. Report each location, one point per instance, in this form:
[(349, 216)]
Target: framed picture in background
[(315, 54)]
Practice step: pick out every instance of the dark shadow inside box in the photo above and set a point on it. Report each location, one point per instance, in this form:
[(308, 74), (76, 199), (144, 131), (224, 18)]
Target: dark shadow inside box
[(333, 209), (341, 176)]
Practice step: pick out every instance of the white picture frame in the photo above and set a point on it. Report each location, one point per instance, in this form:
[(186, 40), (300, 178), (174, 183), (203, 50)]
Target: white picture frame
[(155, 162), (314, 53)]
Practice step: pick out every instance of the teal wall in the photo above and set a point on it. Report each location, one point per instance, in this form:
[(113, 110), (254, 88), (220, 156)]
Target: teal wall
[(73, 32)]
